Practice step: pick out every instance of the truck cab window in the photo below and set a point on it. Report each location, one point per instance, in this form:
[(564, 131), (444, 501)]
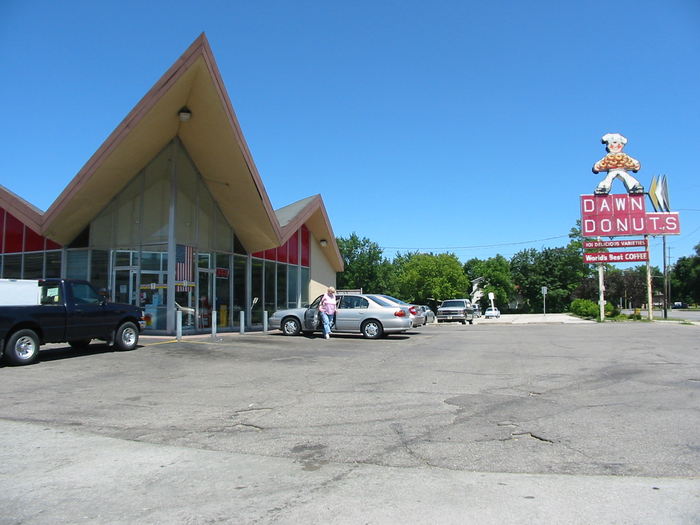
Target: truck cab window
[(51, 294), (84, 293)]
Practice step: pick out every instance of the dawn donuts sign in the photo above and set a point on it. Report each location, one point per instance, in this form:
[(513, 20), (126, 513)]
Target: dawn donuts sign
[(620, 215)]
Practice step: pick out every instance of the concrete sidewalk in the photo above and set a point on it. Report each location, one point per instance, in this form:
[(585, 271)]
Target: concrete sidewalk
[(534, 319)]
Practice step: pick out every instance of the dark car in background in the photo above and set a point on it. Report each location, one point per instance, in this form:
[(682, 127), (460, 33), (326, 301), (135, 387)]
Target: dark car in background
[(455, 310)]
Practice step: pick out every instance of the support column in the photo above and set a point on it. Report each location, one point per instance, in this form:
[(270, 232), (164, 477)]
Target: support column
[(170, 292), (650, 304)]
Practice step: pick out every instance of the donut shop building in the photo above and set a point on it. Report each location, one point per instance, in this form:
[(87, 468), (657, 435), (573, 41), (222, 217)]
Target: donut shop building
[(171, 214)]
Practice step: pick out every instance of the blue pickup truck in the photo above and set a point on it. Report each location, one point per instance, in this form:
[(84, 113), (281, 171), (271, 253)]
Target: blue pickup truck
[(64, 310)]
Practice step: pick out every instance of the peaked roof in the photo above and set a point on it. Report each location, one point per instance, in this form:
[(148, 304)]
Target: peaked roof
[(312, 212), (214, 141)]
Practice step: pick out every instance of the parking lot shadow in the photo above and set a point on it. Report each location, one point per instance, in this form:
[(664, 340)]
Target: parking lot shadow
[(68, 352)]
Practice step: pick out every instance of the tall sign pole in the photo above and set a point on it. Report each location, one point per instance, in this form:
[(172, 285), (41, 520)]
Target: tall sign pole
[(601, 293), (650, 304)]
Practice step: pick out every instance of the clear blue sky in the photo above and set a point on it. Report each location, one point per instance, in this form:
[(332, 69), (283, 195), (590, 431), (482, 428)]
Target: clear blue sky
[(461, 126)]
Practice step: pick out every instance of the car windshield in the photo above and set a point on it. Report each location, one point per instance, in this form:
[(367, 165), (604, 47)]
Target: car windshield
[(379, 300), (489, 309), (452, 304)]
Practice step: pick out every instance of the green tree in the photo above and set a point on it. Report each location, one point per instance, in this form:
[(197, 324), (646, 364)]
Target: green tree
[(685, 278), (628, 286), (497, 278), (424, 276), (561, 270), (365, 266)]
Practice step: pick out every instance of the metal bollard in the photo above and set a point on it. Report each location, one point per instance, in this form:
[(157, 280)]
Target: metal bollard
[(178, 325), (241, 327), (265, 321), (213, 324)]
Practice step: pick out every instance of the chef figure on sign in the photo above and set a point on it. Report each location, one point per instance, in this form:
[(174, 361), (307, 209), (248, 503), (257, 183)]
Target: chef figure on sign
[(617, 164)]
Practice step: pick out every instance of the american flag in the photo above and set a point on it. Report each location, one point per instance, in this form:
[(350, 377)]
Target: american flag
[(183, 265)]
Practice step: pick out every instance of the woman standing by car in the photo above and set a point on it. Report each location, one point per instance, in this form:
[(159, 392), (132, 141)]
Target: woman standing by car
[(327, 308)]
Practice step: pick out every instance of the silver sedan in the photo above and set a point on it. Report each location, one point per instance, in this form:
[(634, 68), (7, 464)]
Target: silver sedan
[(371, 317)]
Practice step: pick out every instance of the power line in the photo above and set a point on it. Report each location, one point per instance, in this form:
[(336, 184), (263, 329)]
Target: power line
[(472, 246)]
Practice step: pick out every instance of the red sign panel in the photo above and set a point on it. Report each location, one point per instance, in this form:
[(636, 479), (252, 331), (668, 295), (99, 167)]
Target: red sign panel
[(620, 215), (625, 243), (612, 257), (663, 223)]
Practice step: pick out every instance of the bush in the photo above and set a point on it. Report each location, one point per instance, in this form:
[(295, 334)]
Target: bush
[(584, 308), (611, 310)]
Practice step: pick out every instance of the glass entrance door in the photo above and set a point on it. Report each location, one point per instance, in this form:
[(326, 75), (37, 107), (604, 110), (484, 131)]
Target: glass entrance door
[(125, 288), (205, 302)]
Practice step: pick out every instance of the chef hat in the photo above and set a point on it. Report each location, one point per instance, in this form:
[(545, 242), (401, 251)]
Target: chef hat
[(613, 137)]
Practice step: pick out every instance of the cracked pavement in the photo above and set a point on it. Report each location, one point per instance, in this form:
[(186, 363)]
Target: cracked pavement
[(498, 423)]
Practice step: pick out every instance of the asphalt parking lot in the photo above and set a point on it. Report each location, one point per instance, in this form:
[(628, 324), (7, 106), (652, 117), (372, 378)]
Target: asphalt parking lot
[(491, 423)]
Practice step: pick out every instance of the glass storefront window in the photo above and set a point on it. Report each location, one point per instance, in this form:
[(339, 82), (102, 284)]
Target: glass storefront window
[(292, 286), (150, 261), (99, 269), (33, 265), (270, 288), (102, 228), (186, 200), (153, 287), (53, 265), (205, 218), (281, 286), (12, 267), (156, 200), (77, 264), (127, 213), (223, 290), (257, 291), (203, 260), (239, 286), (122, 258), (304, 285), (224, 235)]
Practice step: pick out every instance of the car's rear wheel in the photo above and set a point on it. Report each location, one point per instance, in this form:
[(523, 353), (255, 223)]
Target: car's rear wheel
[(372, 329), (290, 326), (22, 347)]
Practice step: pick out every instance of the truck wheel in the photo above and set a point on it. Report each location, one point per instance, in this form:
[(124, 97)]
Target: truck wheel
[(127, 336), (80, 344), (22, 347), (471, 321)]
